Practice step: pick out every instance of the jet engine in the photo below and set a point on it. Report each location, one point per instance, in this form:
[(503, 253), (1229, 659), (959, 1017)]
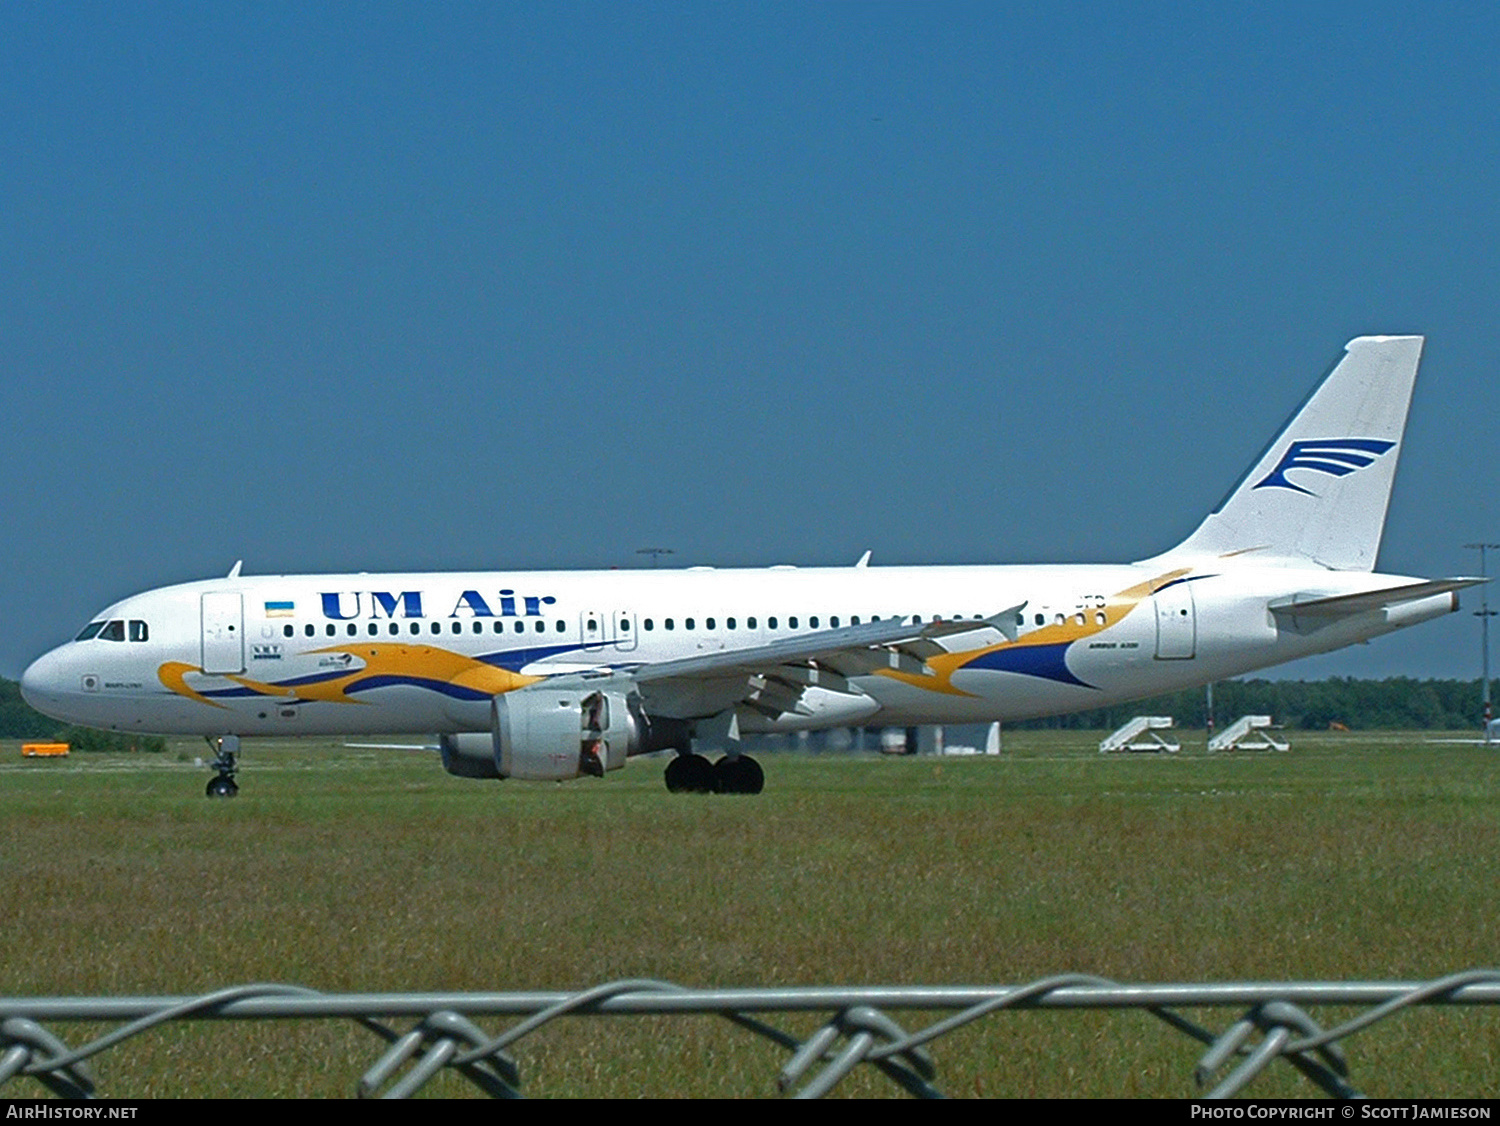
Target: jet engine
[(560, 729), (469, 754)]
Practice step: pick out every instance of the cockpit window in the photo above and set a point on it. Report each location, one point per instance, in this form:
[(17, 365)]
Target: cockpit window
[(138, 631), (114, 631), (90, 631)]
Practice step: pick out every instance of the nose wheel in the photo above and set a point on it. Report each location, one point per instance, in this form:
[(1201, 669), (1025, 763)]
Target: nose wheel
[(221, 788), (226, 762)]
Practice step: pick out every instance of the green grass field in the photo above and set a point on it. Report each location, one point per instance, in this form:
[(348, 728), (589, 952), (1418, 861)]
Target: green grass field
[(1355, 856)]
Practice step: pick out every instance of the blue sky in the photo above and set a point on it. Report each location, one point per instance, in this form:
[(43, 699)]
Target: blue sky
[(365, 287)]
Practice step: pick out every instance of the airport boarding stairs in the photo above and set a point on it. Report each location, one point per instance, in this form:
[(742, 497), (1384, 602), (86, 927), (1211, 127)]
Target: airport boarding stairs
[(1141, 734), (1248, 733)]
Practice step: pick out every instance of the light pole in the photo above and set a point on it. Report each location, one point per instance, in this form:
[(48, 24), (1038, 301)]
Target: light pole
[(655, 553), (1484, 614)]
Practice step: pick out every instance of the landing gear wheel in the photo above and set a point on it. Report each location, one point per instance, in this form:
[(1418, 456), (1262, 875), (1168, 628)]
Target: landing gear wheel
[(221, 788), (739, 774), (690, 774), (226, 750)]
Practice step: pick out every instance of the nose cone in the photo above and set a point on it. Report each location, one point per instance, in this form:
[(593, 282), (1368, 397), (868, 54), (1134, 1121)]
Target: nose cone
[(42, 685)]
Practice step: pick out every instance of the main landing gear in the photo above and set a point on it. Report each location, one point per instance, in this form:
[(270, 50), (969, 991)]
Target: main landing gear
[(691, 773), (226, 753)]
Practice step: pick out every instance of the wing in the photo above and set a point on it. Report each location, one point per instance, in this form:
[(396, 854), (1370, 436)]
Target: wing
[(810, 674)]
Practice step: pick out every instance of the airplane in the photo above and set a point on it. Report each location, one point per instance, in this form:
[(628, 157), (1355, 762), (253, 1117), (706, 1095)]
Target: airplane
[(553, 675)]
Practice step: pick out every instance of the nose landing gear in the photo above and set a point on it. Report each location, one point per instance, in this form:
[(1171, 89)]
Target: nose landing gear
[(226, 753)]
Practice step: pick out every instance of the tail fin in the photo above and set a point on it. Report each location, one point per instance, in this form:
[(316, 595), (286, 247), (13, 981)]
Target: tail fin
[(1319, 492)]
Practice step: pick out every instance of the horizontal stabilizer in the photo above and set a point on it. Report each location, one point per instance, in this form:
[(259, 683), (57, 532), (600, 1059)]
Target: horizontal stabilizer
[(1342, 605)]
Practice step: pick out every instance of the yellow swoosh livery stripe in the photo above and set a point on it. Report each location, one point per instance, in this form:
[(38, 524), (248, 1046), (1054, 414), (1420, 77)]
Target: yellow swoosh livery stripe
[(1095, 620), (410, 663), (172, 674)]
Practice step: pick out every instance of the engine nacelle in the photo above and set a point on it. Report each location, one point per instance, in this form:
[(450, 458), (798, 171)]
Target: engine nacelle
[(469, 754), (561, 730)]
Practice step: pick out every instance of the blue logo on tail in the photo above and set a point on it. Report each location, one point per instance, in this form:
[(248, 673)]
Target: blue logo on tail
[(1338, 457)]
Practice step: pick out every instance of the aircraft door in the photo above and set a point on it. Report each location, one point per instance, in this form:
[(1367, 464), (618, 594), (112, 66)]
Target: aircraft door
[(223, 632), (1176, 623), (599, 630)]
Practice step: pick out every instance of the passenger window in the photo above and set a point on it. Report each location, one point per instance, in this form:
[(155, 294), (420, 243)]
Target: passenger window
[(833, 622), (854, 619), (499, 625), (458, 627), (708, 624), (812, 622), (669, 624), (416, 627), (287, 631), (749, 623), (352, 630), (650, 625), (329, 629), (1040, 619), (791, 623), (560, 626), (478, 627), (520, 626), (688, 624), (308, 629), (771, 623), (393, 629), (373, 629), (540, 626), (624, 625)]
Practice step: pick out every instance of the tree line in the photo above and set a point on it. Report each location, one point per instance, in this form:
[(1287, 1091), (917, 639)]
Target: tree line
[(1400, 703)]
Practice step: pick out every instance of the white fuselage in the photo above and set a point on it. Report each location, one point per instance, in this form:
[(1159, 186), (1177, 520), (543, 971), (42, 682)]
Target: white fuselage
[(427, 653)]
